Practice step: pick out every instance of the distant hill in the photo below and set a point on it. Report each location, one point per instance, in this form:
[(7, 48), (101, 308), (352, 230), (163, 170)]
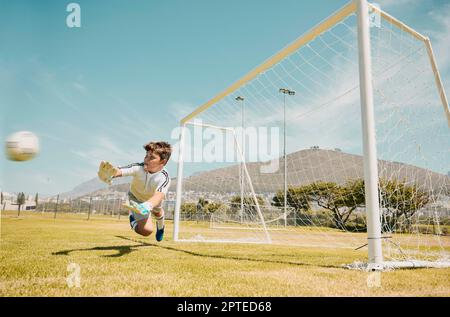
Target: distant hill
[(93, 185), (312, 165), (304, 167)]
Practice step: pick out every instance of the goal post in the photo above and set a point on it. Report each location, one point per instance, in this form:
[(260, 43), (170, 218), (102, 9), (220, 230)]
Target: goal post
[(368, 137), (243, 179), (364, 147)]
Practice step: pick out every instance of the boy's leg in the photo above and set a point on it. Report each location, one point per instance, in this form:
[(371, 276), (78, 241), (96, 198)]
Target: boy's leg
[(158, 213), (141, 224), (144, 227)]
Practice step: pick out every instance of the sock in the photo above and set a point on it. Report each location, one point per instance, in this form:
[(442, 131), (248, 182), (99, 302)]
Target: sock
[(160, 222), (134, 226)]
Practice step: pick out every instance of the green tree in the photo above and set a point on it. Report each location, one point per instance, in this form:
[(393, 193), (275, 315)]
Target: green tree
[(400, 202), (342, 201), (249, 204), (20, 201), (213, 207), (36, 200), (297, 198), (204, 206), (189, 208), (201, 204)]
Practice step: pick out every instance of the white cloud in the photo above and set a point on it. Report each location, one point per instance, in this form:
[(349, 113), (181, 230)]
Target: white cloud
[(180, 109), (79, 87)]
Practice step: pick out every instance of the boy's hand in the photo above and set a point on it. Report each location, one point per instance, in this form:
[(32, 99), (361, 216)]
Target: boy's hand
[(143, 209), (106, 172)]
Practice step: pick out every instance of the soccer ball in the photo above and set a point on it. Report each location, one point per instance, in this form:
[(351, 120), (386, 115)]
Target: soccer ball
[(22, 146)]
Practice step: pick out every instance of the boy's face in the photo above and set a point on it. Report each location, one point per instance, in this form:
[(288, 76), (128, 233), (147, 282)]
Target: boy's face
[(153, 162)]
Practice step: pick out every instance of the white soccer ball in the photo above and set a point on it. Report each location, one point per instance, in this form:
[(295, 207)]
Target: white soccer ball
[(22, 146)]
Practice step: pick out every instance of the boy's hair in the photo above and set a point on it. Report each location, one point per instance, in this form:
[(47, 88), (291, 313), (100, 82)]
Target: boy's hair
[(163, 149)]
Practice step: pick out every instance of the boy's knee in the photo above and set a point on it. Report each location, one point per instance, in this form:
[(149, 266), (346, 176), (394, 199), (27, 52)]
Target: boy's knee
[(144, 229), (158, 213), (145, 232)]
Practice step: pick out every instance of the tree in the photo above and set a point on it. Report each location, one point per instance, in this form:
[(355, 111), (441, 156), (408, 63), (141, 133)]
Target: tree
[(204, 206), (1, 198), (213, 207), (36, 200), (189, 208), (342, 201), (249, 204), (297, 198), (350, 196), (20, 201), (201, 204), (400, 202)]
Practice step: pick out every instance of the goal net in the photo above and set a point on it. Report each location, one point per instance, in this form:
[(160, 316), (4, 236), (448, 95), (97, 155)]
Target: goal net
[(278, 157)]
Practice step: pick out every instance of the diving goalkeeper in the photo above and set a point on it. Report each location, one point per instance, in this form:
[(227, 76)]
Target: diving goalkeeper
[(148, 187)]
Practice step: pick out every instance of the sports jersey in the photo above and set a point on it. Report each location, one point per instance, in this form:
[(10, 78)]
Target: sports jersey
[(144, 184)]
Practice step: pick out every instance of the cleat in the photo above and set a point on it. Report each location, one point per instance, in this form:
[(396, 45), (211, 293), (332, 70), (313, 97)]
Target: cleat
[(159, 233)]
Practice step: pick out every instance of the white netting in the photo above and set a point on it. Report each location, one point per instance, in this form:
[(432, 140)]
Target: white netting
[(325, 197)]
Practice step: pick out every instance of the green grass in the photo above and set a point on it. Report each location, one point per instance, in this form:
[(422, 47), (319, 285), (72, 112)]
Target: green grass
[(36, 250)]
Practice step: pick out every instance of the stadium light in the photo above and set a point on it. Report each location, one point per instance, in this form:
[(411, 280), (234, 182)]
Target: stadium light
[(285, 92), (241, 99)]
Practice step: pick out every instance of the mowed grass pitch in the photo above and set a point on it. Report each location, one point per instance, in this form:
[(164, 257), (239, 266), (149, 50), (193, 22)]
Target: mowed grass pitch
[(36, 251)]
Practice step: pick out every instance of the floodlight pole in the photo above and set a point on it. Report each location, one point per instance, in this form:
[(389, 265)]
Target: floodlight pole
[(176, 216), (375, 261), (241, 99), (290, 93)]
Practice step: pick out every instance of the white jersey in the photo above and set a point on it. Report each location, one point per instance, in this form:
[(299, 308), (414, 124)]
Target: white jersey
[(145, 184)]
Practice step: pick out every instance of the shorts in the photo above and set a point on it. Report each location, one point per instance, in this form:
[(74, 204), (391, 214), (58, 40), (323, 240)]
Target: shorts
[(138, 216)]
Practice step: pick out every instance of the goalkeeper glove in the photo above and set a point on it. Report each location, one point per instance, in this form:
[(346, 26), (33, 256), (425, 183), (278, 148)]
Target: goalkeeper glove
[(106, 172)]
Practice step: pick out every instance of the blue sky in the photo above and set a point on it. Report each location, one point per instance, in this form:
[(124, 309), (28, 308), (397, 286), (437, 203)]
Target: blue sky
[(135, 68)]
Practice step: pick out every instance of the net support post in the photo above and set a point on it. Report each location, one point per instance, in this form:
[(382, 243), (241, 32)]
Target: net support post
[(375, 260), (176, 216)]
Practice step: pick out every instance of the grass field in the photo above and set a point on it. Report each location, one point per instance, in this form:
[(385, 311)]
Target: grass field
[(37, 249)]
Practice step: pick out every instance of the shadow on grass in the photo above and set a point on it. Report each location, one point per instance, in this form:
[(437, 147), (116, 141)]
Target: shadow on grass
[(126, 249), (121, 250)]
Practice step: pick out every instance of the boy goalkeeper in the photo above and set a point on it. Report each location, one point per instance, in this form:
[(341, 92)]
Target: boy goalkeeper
[(148, 187)]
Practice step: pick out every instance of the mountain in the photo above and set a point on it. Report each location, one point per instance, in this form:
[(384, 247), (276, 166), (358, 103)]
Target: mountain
[(94, 185), (304, 167), (311, 165)]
